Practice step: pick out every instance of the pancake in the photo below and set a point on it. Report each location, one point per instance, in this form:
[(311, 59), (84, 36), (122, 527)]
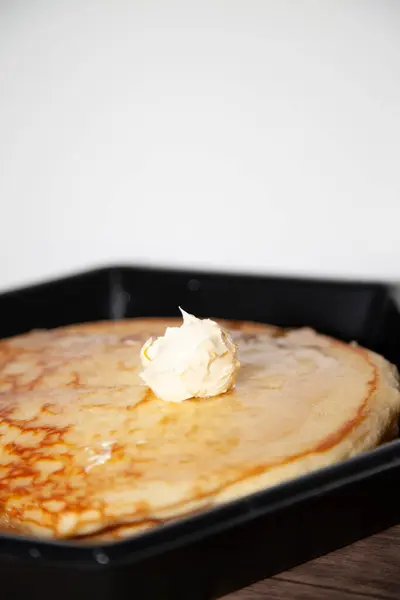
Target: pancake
[(87, 451)]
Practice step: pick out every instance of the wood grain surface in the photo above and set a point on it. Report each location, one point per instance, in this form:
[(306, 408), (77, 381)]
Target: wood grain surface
[(368, 569)]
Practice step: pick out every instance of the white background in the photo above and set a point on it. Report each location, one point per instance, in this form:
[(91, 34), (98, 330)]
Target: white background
[(238, 134)]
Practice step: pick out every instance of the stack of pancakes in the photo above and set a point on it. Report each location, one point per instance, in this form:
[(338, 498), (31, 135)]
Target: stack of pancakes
[(86, 450)]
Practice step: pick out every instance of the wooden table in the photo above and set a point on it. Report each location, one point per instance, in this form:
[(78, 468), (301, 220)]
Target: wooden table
[(366, 570)]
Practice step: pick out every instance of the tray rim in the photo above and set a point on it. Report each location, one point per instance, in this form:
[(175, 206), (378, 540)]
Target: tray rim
[(197, 271)]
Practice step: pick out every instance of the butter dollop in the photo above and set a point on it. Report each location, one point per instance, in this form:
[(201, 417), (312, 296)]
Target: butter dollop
[(196, 360)]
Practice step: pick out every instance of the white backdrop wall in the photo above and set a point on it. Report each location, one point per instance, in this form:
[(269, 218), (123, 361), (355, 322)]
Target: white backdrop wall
[(250, 135)]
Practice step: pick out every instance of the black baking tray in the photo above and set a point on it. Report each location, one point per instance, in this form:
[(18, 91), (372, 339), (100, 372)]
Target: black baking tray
[(220, 550)]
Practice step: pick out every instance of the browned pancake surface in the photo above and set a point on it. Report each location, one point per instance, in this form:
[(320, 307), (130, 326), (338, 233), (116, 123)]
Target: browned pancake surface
[(85, 447)]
